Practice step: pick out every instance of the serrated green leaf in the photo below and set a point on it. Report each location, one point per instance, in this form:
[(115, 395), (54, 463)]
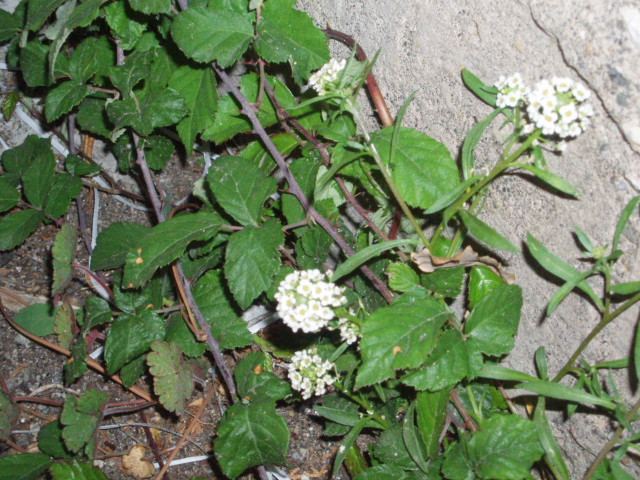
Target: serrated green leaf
[(137, 300), (212, 34), (151, 6), (255, 380), (16, 227), (114, 242), (26, 466), (76, 471), (179, 333), (77, 365), (132, 371), (251, 435), (252, 261), (126, 25), (93, 118), (96, 312), (9, 195), (78, 167), (38, 319), (34, 64), (18, 159), (482, 280), (8, 414), (130, 336), (199, 89), (65, 188), (399, 336), (484, 92), (172, 380), (402, 277), (164, 243), (288, 35), (423, 169), (305, 171), (9, 26), (315, 244), (81, 417), (63, 98), (84, 60), (64, 325), (38, 176), (50, 440), (486, 234), (213, 299), (391, 449), (444, 282), (9, 103), (38, 11), (366, 254), (240, 187), (494, 321)]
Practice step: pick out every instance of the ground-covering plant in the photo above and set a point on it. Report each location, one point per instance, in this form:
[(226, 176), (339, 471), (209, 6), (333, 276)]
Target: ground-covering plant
[(363, 244)]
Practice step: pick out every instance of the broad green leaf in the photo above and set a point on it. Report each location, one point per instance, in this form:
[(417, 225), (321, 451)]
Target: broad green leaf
[(76, 471), (494, 321), (63, 98), (431, 411), (8, 414), (444, 282), (9, 195), (260, 156), (179, 333), (422, 169), (338, 415), (63, 326), (132, 371), (172, 380), (484, 92), (114, 242), (64, 247), (96, 312), (81, 417), (50, 440), (252, 261), (38, 11), (137, 300), (629, 209), (484, 233), (313, 248), (84, 14), (399, 336), (158, 151), (288, 35), (305, 171), (78, 167), (562, 392), (214, 300), (255, 380), (559, 267), (92, 115), (151, 6), (130, 336), (198, 88), (250, 435), (135, 69), (64, 189), (240, 187), (77, 365), (482, 281), (126, 25), (552, 180), (26, 466), (402, 277), (38, 177), (16, 227), (18, 159), (391, 449), (38, 319), (212, 34), (34, 64), (164, 243), (471, 142), (446, 200), (9, 26), (10, 101), (366, 254)]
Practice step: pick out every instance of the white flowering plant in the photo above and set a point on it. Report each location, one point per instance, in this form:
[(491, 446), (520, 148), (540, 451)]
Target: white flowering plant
[(358, 245)]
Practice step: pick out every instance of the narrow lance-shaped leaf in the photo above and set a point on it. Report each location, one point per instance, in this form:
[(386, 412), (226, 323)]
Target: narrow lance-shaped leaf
[(483, 232), (471, 142), (624, 219), (552, 180), (366, 254), (484, 92), (563, 392)]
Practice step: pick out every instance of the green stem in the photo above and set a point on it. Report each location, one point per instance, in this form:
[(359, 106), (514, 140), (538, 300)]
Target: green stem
[(364, 404)]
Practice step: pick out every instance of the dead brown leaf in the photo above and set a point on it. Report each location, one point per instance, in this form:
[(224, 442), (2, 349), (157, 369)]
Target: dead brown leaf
[(135, 465)]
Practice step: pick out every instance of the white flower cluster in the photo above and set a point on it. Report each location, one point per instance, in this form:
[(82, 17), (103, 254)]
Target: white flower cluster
[(306, 300), (349, 330), (328, 74), (309, 374), (557, 107)]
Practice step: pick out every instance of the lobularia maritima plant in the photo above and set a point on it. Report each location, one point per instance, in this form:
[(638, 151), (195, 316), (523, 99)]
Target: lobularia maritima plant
[(380, 350)]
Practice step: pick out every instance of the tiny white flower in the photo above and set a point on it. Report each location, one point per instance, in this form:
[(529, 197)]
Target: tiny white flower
[(568, 113), (580, 92), (562, 84)]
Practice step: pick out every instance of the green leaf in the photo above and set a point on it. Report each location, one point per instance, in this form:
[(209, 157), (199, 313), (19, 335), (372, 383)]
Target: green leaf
[(16, 227), (413, 439), (565, 290), (179, 333), (399, 336), (114, 242), (64, 325), (255, 380), (132, 371), (18, 159), (629, 209), (130, 336), (554, 456), (126, 25), (77, 366), (447, 199), (213, 298), (50, 440), (8, 415), (484, 92), (38, 11), (9, 195), (64, 247), (288, 35), (38, 177), (9, 26), (552, 180), (625, 288), (559, 267), (252, 261), (250, 435), (38, 319), (34, 64), (348, 442), (471, 142), (10, 101), (431, 410), (305, 171), (26, 466), (385, 471), (494, 321), (164, 243), (83, 14), (240, 187), (482, 281), (81, 417), (96, 312), (172, 380), (562, 392), (151, 6), (497, 372), (64, 189), (484, 233), (63, 98), (92, 115), (402, 277), (78, 167), (199, 89), (391, 449), (76, 471), (366, 254), (206, 35), (422, 169), (444, 282), (137, 300)]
